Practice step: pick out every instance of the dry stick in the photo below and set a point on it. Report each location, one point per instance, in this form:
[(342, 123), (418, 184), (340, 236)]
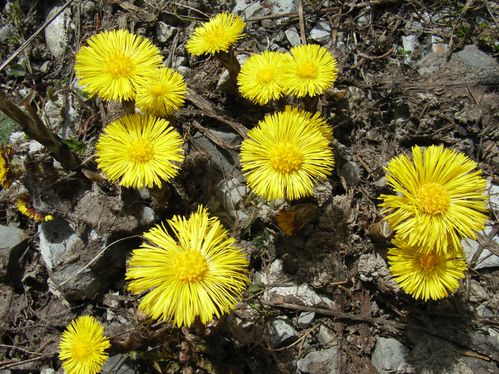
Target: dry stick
[(468, 5), (34, 127), (17, 363), (95, 259), (35, 34), (209, 109), (301, 17)]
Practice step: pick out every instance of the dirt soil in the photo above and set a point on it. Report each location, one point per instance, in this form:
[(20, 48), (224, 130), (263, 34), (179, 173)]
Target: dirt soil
[(390, 95)]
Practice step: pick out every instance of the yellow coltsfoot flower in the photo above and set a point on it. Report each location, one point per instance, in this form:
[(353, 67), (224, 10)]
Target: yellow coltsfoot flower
[(426, 275), (260, 77), (25, 206), (308, 71), (82, 348), (216, 35), (114, 63), (162, 94), (285, 156), (140, 151), (196, 272), (439, 199), (315, 119), (5, 180)]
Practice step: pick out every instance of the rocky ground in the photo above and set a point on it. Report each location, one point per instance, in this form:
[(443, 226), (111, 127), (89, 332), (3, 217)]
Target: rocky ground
[(321, 301)]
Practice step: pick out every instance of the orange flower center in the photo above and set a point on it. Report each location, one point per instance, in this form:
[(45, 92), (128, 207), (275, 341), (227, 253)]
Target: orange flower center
[(264, 75), (81, 350), (427, 262), (286, 158), (158, 90), (307, 70), (432, 199), (191, 266), (120, 66), (140, 151)]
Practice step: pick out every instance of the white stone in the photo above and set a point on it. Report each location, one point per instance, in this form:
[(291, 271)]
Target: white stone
[(305, 319), (319, 362), (389, 354), (412, 48), (281, 332), (487, 259), (56, 239), (293, 36), (164, 32), (283, 6), (321, 32), (56, 33)]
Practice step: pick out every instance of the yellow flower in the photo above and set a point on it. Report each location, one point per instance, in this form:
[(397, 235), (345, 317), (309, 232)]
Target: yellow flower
[(315, 119), (82, 347), (260, 76), (5, 181), (309, 71), (114, 63), (196, 272), (140, 151), (439, 200), (426, 275), (285, 156), (162, 94), (26, 208), (216, 35)]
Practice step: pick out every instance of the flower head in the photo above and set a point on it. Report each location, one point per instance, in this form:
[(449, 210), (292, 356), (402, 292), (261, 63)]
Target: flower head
[(309, 70), (196, 272), (216, 35), (114, 63), (315, 119), (82, 347), (426, 275), (5, 181), (26, 208), (260, 77), (140, 151), (439, 200), (162, 94), (285, 156)]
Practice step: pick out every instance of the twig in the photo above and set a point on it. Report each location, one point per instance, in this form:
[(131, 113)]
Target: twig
[(17, 363), (35, 34), (384, 55), (468, 5), (95, 259), (209, 109), (20, 349), (301, 16)]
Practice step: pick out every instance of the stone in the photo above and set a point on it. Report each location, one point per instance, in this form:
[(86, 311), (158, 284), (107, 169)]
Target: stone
[(164, 32), (493, 192), (473, 57), (11, 238), (6, 31), (148, 216), (412, 48), (56, 33), (325, 335), (119, 364), (321, 32), (477, 292), (389, 355), (56, 240), (319, 362), (281, 332), (486, 240), (283, 6), (372, 267), (293, 36), (305, 319), (350, 171)]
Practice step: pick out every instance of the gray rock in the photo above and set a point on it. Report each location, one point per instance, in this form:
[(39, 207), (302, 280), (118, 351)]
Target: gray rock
[(10, 239), (119, 364), (389, 354), (164, 32), (305, 319), (56, 240), (6, 31), (148, 216), (56, 33), (350, 171), (475, 58), (293, 36), (321, 32), (319, 362), (372, 267), (281, 332), (88, 7), (283, 6), (477, 292), (485, 242), (412, 48), (493, 191), (325, 335)]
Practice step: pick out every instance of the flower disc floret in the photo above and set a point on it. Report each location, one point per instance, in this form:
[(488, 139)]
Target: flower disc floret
[(114, 63), (216, 35), (426, 275), (140, 151), (195, 272), (439, 198), (162, 94), (308, 71), (285, 156), (82, 347), (260, 77)]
